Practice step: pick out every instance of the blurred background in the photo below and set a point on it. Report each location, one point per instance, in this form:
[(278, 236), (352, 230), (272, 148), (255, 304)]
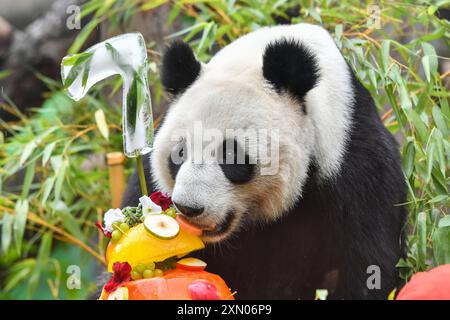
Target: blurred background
[(54, 181)]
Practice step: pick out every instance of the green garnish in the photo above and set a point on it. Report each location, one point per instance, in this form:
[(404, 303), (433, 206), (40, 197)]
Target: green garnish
[(124, 227), (147, 274), (135, 275), (115, 236), (158, 273)]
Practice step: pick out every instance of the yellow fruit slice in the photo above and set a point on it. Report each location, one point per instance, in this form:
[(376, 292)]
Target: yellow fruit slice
[(103, 295), (140, 246)]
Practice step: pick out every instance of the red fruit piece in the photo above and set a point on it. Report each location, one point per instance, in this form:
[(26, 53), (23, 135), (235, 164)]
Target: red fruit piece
[(203, 290), (191, 264)]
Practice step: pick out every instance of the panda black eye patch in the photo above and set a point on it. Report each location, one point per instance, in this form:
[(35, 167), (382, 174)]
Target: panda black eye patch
[(235, 163), (176, 158)]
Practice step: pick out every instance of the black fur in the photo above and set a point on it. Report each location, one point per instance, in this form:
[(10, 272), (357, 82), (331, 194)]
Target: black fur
[(179, 68), (237, 173), (345, 224), (290, 66), (180, 156)]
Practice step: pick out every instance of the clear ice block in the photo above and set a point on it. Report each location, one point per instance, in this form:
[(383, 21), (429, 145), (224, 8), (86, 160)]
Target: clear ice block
[(125, 55)]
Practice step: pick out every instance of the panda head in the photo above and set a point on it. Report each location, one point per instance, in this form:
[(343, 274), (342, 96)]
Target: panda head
[(237, 141)]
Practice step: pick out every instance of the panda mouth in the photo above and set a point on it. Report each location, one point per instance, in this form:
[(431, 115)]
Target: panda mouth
[(222, 228), (214, 230)]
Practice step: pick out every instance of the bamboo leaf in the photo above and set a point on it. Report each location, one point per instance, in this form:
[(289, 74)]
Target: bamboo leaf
[(418, 124), (29, 175), (444, 222), (81, 66), (20, 220), (338, 32), (174, 13), (427, 37), (405, 101), (439, 198), (422, 102), (439, 142), (316, 16), (106, 5), (86, 70), (76, 58), (439, 181), (206, 31), (60, 174), (6, 231), (426, 67), (42, 259), (422, 238), (18, 272), (12, 281), (441, 245), (27, 151), (132, 105), (102, 126), (115, 55), (83, 35), (408, 159), (372, 78), (47, 187), (385, 48), (195, 28), (431, 58), (430, 160), (152, 4), (441, 123), (47, 152)]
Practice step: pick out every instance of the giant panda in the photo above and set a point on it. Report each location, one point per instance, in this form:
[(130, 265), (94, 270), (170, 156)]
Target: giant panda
[(331, 216)]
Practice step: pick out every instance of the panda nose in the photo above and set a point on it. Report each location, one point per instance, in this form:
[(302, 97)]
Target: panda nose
[(189, 211)]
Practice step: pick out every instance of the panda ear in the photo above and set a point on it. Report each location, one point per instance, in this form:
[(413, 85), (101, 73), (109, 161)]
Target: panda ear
[(290, 66), (179, 67)]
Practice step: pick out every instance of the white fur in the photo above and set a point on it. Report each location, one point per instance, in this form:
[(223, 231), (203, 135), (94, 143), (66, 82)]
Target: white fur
[(231, 93), (329, 103)]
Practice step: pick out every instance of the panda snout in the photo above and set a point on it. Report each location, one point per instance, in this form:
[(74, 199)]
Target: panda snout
[(189, 211)]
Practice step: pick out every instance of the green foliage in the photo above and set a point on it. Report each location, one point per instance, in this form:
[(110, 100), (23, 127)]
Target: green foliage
[(46, 153), (46, 156)]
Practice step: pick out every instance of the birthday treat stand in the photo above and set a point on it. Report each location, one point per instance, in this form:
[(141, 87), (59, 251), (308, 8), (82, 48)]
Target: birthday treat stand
[(147, 254)]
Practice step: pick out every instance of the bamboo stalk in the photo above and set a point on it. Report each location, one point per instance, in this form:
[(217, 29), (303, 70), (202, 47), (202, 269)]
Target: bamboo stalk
[(141, 174), (115, 162)]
